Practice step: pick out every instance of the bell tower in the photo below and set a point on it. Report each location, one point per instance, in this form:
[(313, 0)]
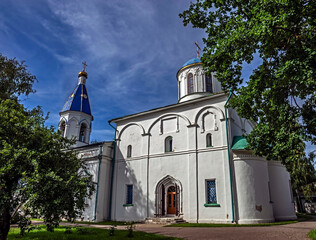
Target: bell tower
[(75, 117)]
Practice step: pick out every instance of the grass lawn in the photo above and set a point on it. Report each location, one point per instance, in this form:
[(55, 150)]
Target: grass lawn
[(85, 222), (301, 217), (80, 233), (312, 234), (102, 223)]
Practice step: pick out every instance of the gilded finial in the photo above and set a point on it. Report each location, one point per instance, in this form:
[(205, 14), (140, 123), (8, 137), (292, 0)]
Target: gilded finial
[(83, 72), (197, 49)]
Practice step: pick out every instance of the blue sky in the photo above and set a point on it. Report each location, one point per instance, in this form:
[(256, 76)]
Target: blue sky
[(133, 50)]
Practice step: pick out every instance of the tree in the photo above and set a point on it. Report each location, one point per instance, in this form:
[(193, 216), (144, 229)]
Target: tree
[(15, 79), (280, 93), (34, 169)]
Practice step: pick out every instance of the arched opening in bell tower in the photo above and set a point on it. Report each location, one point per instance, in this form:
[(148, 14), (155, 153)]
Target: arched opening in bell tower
[(83, 132), (62, 127)]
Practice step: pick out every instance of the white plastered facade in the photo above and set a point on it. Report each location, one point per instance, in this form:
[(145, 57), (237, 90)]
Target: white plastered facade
[(249, 189)]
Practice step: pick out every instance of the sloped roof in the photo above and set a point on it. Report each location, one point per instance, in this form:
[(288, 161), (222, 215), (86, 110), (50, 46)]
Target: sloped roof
[(239, 143), (78, 100)]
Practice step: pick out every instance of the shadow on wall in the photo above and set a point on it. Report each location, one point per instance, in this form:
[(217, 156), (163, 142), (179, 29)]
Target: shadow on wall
[(132, 172)]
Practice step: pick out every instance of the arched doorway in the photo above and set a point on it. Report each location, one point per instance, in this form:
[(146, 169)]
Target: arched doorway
[(168, 197)]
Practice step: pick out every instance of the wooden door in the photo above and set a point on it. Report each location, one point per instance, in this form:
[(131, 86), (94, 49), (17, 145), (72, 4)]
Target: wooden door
[(171, 200)]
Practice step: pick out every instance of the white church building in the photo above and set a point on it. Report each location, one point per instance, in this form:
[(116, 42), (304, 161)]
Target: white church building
[(182, 161)]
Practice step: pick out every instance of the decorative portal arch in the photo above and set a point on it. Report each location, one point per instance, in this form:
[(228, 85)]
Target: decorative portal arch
[(168, 197)]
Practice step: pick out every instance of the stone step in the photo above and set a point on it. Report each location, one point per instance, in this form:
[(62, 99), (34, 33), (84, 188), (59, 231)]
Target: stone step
[(165, 220)]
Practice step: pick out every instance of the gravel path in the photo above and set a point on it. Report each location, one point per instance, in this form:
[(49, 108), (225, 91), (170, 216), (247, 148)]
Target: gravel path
[(295, 231)]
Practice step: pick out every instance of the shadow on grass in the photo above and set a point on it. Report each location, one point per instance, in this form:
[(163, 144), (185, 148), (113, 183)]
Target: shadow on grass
[(90, 223), (80, 233)]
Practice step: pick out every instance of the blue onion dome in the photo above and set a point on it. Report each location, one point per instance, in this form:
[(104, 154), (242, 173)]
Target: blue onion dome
[(192, 61)]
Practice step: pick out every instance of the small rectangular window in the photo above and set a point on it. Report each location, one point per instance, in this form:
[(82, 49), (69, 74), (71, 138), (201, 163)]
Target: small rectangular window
[(211, 191), (129, 194)]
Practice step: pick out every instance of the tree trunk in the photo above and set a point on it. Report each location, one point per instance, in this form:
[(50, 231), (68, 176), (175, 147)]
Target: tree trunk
[(5, 218)]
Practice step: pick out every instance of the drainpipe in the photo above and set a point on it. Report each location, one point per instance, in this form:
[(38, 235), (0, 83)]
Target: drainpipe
[(228, 154), (112, 171), (97, 190)]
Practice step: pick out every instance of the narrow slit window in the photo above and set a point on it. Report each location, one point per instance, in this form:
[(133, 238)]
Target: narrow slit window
[(129, 194), (129, 151), (209, 142), (208, 83), (168, 144), (190, 83), (211, 191)]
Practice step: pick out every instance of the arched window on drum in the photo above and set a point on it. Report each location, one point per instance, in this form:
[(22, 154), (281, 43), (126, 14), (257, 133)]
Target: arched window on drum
[(190, 83), (208, 83)]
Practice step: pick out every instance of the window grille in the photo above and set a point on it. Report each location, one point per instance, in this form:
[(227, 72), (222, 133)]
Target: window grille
[(129, 194), (211, 191)]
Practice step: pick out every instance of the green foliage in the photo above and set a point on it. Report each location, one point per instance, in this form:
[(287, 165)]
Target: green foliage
[(24, 223), (130, 229), (90, 233), (36, 171), (280, 93), (14, 78), (112, 230), (312, 234), (68, 230)]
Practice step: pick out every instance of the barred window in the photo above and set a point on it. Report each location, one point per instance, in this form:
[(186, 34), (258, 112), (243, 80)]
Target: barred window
[(211, 191), (129, 194)]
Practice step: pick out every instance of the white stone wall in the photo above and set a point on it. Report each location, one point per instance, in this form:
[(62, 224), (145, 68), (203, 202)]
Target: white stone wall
[(90, 154), (281, 194), (191, 162), (252, 189)]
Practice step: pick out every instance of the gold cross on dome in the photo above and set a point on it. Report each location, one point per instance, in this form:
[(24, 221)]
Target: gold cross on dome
[(197, 49), (84, 66)]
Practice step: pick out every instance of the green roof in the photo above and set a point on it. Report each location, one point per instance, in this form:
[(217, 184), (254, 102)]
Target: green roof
[(239, 143)]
